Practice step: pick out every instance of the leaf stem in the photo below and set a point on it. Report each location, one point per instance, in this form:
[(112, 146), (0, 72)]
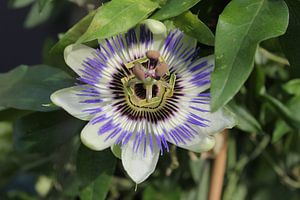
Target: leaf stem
[(273, 57)]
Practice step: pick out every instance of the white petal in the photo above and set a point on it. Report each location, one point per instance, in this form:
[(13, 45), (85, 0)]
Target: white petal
[(69, 100), (139, 166), (75, 54), (189, 75), (219, 120), (159, 31), (205, 140), (200, 144), (92, 139)]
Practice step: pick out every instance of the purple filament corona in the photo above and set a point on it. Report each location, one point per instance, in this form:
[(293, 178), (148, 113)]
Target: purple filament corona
[(112, 50)]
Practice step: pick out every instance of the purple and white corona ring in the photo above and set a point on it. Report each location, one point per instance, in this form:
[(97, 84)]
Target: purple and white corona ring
[(143, 90)]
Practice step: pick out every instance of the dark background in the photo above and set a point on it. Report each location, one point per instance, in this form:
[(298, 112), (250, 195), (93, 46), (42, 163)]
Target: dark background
[(19, 45)]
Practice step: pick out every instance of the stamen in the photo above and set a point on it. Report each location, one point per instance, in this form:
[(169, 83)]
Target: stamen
[(153, 57), (161, 69), (153, 54), (138, 71)]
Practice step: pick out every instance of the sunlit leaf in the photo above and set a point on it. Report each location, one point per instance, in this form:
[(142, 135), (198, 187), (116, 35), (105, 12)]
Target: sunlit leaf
[(174, 8), (117, 17), (161, 2), (192, 26), (237, 36)]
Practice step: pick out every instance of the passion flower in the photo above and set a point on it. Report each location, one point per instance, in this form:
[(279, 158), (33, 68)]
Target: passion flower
[(143, 90)]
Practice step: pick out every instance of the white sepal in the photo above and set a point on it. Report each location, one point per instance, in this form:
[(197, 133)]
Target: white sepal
[(139, 165), (70, 101), (91, 138), (76, 54)]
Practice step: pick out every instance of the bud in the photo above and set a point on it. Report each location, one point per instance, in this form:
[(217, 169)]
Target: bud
[(156, 27)]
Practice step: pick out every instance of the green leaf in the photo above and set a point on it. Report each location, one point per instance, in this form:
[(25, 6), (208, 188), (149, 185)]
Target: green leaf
[(281, 128), (290, 42), (42, 4), (163, 192), (257, 81), (72, 35), (45, 132), (36, 16), (161, 2), (117, 17), (196, 168), (294, 105), (237, 37), (200, 170), (19, 3), (174, 8), (192, 26), (12, 114), (292, 87), (245, 121), (5, 139), (95, 169), (54, 59), (203, 187), (241, 192), (283, 111), (29, 88)]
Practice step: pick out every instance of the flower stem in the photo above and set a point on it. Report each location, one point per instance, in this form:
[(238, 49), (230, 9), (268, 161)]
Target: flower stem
[(218, 171)]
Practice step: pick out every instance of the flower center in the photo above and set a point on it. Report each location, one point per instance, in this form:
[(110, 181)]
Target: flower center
[(150, 82)]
